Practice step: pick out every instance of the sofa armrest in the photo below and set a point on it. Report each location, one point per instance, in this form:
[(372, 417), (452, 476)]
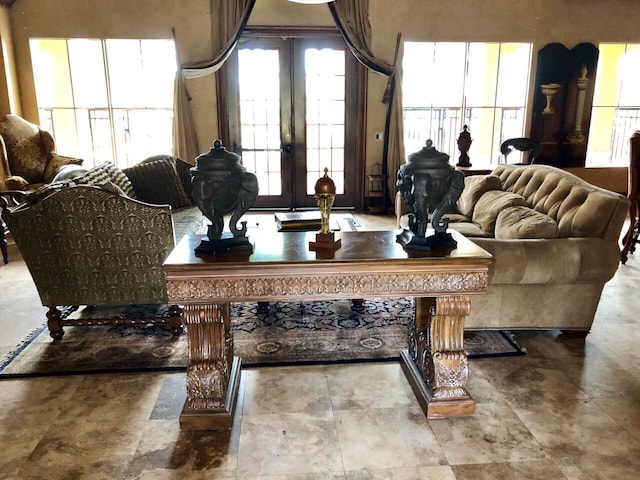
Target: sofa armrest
[(551, 261), (85, 245)]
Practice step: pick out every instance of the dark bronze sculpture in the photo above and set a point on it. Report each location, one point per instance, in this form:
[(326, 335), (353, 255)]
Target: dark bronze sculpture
[(221, 185), (464, 143), (428, 184)]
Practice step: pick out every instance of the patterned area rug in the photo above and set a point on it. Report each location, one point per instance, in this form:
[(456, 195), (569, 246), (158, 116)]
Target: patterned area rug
[(287, 333)]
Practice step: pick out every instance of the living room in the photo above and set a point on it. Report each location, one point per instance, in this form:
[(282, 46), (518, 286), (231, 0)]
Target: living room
[(584, 427)]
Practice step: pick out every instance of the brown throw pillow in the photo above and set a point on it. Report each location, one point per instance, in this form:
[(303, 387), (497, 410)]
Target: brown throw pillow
[(474, 187), (491, 203), (524, 222)]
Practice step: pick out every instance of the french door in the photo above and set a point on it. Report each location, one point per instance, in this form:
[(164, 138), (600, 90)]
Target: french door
[(294, 113)]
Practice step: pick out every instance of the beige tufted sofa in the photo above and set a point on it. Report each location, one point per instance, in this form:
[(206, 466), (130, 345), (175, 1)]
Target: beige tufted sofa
[(555, 242)]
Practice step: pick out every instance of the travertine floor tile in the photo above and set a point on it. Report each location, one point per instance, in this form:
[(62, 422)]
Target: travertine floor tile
[(163, 449), (86, 448), (599, 375), (521, 379), (128, 398), (480, 384), (536, 470), (171, 397), (413, 473), (575, 428), (307, 476), (493, 435), (48, 393), (369, 385), (602, 467), (625, 411), (286, 389), (288, 443), (387, 438)]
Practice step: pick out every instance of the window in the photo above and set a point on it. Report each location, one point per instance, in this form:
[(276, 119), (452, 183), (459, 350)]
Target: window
[(106, 100), (615, 113), (449, 85)]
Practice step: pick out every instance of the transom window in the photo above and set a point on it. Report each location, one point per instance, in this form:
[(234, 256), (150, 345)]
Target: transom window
[(106, 99), (449, 85)]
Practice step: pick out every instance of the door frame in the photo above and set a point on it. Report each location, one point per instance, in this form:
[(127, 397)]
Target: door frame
[(225, 104)]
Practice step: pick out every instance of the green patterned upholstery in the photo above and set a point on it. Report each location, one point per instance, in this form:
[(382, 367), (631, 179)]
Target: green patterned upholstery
[(85, 245)]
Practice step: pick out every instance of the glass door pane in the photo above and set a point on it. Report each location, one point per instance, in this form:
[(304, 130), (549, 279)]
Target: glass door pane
[(325, 116), (260, 126)]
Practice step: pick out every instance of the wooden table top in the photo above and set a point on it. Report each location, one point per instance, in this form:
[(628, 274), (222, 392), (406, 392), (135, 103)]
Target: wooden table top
[(368, 265), (292, 248)]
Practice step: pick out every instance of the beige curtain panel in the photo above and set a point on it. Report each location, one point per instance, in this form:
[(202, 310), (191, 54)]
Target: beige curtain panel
[(227, 24), (352, 19)]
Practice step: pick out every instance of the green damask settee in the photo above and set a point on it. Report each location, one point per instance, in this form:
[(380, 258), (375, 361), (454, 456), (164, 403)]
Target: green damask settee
[(92, 244)]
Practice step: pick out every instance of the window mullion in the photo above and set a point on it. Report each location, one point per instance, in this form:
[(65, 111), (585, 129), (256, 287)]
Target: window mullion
[(105, 60), (495, 102)]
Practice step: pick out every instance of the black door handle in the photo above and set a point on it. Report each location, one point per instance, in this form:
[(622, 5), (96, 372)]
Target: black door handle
[(287, 148)]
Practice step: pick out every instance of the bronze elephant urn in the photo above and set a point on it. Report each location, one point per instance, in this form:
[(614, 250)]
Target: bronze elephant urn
[(430, 187), (222, 186)]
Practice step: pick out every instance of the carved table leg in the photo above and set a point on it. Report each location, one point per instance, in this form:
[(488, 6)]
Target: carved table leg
[(436, 363), (213, 374)]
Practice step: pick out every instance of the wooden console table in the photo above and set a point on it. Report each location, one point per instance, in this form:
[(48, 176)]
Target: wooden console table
[(369, 265)]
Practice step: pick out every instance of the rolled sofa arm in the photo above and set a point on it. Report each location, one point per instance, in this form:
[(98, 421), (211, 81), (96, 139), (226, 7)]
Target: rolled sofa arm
[(551, 261)]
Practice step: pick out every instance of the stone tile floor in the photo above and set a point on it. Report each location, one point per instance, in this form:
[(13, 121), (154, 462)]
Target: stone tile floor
[(569, 409)]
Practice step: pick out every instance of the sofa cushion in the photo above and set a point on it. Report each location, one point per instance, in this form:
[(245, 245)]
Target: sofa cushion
[(184, 173), (474, 187), (490, 204), (157, 182), (107, 172), (524, 222)]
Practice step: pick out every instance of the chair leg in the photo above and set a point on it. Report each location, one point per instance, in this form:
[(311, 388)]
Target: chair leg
[(175, 320), (631, 237), (3, 243), (3, 247), (53, 322)]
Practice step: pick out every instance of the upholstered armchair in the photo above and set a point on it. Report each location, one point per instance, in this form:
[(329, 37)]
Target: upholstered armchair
[(92, 247), (27, 155)]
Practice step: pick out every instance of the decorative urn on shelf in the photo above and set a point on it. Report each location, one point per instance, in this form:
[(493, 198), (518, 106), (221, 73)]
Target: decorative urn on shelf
[(429, 184), (464, 143), (222, 186)]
